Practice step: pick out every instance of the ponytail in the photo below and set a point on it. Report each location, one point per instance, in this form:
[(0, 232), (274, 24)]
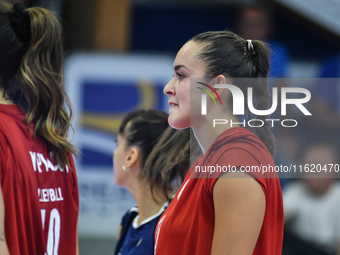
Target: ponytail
[(261, 93), (169, 160)]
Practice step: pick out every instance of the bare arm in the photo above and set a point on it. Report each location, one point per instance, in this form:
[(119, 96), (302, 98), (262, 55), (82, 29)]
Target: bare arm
[(119, 232), (239, 205), (3, 245)]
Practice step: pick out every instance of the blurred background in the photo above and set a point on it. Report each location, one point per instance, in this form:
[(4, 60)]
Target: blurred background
[(119, 55)]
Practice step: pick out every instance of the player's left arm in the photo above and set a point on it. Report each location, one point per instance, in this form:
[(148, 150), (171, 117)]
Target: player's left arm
[(239, 203)]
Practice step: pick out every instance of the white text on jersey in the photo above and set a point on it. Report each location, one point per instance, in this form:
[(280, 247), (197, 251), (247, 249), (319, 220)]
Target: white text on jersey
[(50, 195), (38, 160)]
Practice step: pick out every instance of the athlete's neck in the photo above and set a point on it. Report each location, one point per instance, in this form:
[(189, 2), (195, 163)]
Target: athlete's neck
[(206, 134), (146, 212), (147, 206)]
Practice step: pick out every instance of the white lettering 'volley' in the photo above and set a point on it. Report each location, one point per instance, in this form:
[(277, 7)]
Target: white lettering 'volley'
[(38, 160)]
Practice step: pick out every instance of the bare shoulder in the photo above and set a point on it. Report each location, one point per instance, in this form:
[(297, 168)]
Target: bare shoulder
[(239, 183), (239, 203)]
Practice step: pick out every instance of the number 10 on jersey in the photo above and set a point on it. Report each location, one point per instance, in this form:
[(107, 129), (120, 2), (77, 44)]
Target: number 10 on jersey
[(53, 236)]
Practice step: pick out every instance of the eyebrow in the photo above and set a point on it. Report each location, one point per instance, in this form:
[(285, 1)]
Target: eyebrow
[(179, 66)]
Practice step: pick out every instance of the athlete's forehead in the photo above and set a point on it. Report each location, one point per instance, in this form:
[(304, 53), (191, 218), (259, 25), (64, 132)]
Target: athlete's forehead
[(187, 58)]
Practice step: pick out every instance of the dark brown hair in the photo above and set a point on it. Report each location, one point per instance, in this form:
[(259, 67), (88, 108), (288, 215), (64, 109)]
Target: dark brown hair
[(143, 128), (165, 152), (31, 64), (225, 53), (170, 159)]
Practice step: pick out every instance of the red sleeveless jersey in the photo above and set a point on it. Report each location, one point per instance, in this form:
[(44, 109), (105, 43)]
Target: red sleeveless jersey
[(40, 198), (187, 225)]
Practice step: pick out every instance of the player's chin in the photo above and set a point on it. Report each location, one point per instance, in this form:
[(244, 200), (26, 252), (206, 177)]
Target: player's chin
[(178, 123)]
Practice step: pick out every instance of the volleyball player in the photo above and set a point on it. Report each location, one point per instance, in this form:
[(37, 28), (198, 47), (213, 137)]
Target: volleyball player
[(149, 159), (233, 212), (39, 190)]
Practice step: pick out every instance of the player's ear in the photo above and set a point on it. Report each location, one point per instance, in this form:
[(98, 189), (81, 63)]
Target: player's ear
[(222, 92), (133, 157), (221, 79)]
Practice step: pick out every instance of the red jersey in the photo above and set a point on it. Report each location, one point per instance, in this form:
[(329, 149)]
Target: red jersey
[(40, 198), (187, 225)]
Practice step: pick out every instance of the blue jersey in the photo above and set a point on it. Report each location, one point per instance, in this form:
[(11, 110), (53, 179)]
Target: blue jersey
[(137, 239)]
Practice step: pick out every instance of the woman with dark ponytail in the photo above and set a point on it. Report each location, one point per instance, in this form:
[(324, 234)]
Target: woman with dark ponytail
[(39, 190), (150, 160), (226, 204)]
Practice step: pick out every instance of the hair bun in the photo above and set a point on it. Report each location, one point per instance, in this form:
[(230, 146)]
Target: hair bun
[(21, 22)]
